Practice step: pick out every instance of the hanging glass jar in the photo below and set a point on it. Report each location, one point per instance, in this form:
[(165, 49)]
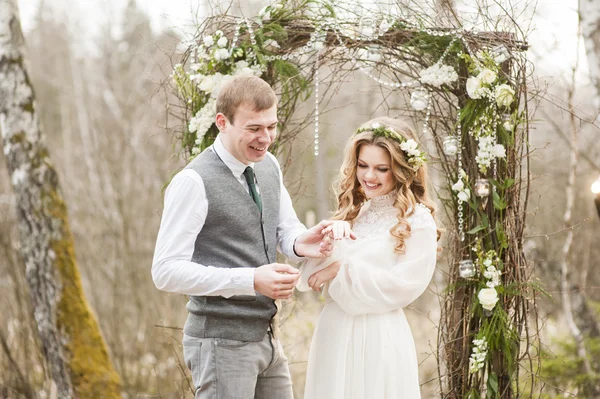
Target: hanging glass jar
[(367, 27), (466, 268), (500, 53), (450, 145), (419, 98), (482, 187), (373, 53)]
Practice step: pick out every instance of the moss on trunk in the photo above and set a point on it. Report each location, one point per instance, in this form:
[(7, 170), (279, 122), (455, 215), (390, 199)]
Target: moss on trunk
[(92, 373)]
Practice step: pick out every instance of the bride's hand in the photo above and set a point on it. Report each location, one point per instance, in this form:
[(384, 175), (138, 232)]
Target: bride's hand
[(316, 280), (339, 229)]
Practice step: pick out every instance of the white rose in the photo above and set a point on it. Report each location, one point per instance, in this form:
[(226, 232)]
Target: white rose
[(375, 125), (463, 196), (504, 95), (487, 76), (499, 151), (409, 146), (207, 84), (474, 88), (488, 298), (508, 126), (222, 42), (208, 41), (458, 186)]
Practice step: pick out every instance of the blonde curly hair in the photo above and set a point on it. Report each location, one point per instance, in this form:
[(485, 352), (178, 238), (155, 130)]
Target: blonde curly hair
[(411, 185)]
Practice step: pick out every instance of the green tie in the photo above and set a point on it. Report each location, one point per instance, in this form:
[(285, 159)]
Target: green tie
[(249, 174)]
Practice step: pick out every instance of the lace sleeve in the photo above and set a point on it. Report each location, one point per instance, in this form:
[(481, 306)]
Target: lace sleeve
[(421, 219), (364, 286)]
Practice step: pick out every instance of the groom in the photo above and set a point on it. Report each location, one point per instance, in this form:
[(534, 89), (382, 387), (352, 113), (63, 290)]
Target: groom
[(225, 214)]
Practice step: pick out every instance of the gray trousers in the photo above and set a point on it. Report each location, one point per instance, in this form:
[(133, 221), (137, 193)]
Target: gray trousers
[(228, 369)]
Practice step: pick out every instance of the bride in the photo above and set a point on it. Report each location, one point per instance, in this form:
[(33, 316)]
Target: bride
[(384, 258)]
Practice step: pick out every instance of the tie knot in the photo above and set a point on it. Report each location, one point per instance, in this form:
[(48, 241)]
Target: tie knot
[(249, 173)]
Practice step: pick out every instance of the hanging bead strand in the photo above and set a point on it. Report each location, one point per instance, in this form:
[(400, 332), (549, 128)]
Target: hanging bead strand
[(316, 137), (236, 36), (427, 116), (461, 233)]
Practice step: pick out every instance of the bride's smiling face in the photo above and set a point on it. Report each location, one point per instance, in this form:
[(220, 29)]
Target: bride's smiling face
[(374, 170)]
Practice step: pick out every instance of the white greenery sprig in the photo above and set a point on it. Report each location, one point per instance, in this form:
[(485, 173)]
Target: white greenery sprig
[(487, 151), (438, 75), (461, 187), (478, 355), (488, 262), (487, 88), (215, 65)]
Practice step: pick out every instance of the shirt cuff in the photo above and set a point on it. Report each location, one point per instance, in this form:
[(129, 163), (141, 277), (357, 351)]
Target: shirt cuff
[(242, 279), (289, 250)]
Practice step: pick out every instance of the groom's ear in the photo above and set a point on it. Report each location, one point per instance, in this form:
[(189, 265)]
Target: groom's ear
[(221, 121)]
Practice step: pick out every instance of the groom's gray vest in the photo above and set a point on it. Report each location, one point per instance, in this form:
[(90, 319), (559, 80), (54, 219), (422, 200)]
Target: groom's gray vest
[(232, 237)]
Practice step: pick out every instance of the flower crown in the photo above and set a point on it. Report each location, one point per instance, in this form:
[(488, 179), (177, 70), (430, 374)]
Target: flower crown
[(416, 157)]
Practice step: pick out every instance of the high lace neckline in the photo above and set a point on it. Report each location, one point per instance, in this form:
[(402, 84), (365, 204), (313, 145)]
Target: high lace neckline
[(385, 201)]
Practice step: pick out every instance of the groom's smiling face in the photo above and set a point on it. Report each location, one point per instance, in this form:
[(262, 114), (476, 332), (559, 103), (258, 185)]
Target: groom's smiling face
[(249, 136)]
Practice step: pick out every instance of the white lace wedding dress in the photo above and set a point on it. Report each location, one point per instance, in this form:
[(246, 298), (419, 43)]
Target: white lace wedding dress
[(362, 347)]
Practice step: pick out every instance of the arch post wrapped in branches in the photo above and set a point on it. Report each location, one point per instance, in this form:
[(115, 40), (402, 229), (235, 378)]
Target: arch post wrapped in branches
[(467, 91)]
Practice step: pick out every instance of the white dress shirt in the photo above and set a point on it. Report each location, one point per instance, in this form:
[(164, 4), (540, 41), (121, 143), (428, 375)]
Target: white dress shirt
[(184, 214)]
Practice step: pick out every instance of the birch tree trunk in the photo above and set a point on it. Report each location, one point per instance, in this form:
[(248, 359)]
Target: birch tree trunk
[(566, 250), (589, 390), (72, 344), (589, 17)]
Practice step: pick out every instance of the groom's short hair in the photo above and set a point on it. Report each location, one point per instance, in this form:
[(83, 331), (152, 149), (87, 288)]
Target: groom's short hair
[(249, 90)]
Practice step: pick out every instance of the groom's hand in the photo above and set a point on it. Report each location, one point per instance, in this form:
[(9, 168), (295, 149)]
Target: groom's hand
[(314, 242), (276, 280)]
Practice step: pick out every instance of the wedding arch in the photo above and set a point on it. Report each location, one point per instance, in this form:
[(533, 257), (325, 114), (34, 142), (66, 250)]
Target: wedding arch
[(467, 91)]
